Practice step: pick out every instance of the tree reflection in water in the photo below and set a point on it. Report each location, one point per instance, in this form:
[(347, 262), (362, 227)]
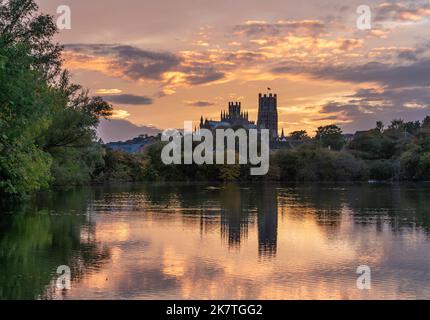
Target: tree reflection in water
[(38, 236)]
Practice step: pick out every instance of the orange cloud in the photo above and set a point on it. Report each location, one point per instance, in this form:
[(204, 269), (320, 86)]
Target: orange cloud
[(119, 114), (108, 91)]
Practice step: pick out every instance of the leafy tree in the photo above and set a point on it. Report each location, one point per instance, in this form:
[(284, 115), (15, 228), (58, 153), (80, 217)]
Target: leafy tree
[(300, 135), (46, 123), (412, 127), (309, 163), (372, 145), (383, 170), (424, 134), (330, 136), (423, 170), (415, 161), (22, 25), (396, 124), (25, 102), (401, 130), (380, 126), (70, 139)]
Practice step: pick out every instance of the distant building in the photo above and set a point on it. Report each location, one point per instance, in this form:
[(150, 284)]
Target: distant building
[(360, 133), (236, 118), (136, 145), (268, 114), (348, 137)]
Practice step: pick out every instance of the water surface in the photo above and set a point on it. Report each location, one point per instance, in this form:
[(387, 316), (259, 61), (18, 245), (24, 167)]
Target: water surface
[(219, 242)]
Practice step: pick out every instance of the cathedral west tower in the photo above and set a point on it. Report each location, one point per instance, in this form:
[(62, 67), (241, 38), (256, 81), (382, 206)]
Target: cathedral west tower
[(268, 114)]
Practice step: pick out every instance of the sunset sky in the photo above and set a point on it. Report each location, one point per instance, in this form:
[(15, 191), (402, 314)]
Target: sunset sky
[(161, 63)]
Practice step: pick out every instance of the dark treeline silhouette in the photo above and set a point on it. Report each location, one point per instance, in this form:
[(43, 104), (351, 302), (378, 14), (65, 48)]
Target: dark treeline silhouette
[(401, 151)]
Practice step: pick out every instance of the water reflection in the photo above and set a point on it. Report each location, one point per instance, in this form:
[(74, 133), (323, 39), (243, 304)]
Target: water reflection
[(267, 208), (39, 236), (236, 215), (219, 242)]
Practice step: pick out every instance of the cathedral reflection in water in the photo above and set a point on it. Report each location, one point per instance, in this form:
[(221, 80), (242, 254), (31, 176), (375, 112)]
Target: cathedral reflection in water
[(240, 211)]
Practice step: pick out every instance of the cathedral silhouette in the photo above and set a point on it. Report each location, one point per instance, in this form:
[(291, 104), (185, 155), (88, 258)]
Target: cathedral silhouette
[(236, 118)]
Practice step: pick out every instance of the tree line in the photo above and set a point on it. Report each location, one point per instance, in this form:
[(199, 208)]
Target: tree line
[(399, 151)]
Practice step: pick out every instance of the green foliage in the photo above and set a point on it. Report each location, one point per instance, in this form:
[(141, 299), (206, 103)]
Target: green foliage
[(330, 136), (76, 166), (399, 152), (70, 139), (22, 25), (300, 135), (47, 125), (423, 170), (375, 154), (409, 162), (24, 169), (24, 113), (415, 164), (120, 166), (383, 170), (372, 145), (309, 163)]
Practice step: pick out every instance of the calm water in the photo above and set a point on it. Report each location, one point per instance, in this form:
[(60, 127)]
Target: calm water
[(218, 242)]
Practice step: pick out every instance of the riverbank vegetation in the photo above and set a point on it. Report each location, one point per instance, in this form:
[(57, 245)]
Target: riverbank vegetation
[(399, 151), (47, 124)]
